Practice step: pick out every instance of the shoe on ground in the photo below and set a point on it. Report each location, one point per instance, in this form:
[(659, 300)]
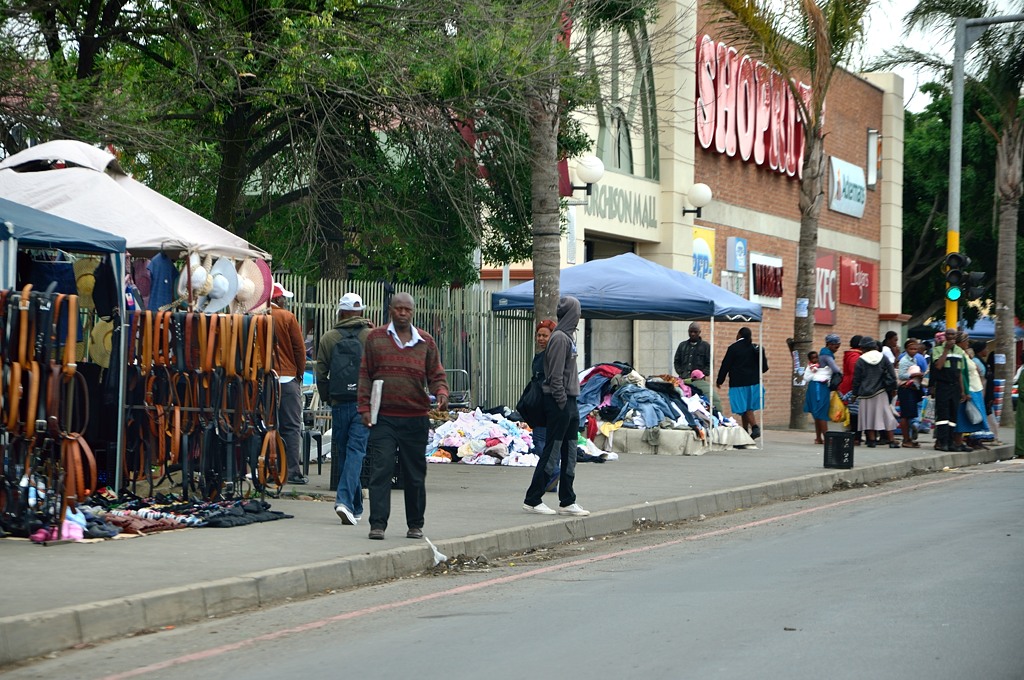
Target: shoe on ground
[(376, 534), (414, 532), (539, 509), (298, 479), (574, 510), (755, 432), (942, 447), (347, 518)]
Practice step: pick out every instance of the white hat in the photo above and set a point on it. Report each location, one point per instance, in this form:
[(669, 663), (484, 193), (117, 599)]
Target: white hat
[(224, 288), (201, 280), (280, 291), (350, 302), (250, 287)]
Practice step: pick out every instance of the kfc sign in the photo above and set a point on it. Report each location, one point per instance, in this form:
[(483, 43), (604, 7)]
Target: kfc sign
[(744, 106), (825, 290), (857, 282)]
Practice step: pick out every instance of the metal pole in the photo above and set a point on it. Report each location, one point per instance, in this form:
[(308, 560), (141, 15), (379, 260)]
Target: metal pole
[(967, 33), (956, 133)]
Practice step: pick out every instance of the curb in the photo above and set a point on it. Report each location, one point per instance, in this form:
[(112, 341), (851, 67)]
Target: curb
[(29, 635)]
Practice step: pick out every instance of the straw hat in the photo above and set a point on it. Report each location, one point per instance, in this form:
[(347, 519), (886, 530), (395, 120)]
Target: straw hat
[(268, 283), (223, 289), (101, 342), (202, 281), (250, 286), (85, 279)]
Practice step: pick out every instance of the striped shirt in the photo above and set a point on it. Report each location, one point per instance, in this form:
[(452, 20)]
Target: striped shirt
[(407, 372)]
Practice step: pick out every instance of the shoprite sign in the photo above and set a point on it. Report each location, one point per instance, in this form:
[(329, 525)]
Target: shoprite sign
[(745, 107)]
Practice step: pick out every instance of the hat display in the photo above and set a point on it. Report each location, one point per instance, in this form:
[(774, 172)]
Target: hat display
[(350, 302), (223, 289), (101, 341), (85, 280), (268, 284), (280, 291), (202, 280), (250, 286)]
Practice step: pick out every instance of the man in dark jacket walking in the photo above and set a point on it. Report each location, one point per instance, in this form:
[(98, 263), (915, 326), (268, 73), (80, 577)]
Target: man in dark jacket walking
[(561, 387), (740, 364), (348, 434)]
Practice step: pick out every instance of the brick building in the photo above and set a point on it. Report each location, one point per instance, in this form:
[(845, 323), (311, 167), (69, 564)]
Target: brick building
[(702, 135)]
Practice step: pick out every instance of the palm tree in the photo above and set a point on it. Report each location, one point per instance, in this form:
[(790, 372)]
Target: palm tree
[(996, 67), (801, 39)]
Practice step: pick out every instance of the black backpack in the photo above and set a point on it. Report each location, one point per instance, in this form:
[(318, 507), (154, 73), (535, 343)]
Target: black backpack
[(345, 359)]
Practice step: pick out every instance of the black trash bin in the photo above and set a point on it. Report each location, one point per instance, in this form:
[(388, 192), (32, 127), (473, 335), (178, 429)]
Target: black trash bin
[(839, 449)]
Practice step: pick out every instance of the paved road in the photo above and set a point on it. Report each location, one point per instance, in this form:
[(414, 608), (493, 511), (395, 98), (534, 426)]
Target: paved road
[(914, 579), (75, 594)]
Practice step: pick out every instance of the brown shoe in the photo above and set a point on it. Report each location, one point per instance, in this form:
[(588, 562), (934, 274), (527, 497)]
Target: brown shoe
[(376, 534), (414, 532)]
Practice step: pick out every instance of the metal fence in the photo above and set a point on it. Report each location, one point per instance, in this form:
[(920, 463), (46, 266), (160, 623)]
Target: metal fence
[(494, 349)]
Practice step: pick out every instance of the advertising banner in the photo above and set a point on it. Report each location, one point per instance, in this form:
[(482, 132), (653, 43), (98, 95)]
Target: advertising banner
[(825, 290), (858, 282), (704, 253)]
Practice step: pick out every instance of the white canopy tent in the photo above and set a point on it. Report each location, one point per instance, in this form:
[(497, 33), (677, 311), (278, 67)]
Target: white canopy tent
[(91, 188)]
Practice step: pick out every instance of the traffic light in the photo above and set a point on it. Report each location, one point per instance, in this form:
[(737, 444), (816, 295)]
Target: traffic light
[(953, 266), (973, 285), (961, 283)]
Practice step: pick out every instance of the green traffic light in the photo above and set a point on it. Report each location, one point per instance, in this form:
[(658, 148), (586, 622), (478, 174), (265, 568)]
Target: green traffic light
[(953, 293)]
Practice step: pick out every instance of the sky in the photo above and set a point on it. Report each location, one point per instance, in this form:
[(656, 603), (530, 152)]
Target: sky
[(884, 29)]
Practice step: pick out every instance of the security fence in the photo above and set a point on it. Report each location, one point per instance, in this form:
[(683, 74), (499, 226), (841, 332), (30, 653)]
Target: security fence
[(494, 350)]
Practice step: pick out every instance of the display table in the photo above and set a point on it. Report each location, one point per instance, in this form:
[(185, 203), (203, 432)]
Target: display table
[(673, 442)]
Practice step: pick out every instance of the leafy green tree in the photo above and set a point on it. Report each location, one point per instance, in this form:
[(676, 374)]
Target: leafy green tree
[(925, 194), (995, 64), (801, 39)]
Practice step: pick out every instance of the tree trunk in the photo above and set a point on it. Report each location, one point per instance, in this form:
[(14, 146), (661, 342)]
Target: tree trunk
[(545, 202), (811, 194), (1009, 154)]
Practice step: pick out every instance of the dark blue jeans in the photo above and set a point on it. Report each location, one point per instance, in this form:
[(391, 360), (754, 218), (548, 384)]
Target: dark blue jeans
[(563, 426), (348, 449), (408, 437)]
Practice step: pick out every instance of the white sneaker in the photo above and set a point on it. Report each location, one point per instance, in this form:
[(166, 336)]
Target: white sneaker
[(573, 510), (539, 509), (346, 515)]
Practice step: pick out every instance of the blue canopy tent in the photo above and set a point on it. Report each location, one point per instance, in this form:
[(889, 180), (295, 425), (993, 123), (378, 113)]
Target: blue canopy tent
[(629, 287), (27, 227)]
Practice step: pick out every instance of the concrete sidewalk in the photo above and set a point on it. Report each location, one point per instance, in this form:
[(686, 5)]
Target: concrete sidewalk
[(64, 595)]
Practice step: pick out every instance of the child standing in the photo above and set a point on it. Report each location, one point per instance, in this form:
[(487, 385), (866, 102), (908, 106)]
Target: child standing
[(910, 395)]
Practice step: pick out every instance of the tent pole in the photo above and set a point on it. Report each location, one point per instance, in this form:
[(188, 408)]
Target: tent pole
[(760, 381), (122, 368)]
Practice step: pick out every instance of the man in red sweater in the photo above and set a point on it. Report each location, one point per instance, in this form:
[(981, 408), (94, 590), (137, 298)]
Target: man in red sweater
[(406, 360)]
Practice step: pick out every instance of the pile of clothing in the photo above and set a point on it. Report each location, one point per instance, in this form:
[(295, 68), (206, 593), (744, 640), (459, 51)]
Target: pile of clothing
[(479, 438), (614, 395)]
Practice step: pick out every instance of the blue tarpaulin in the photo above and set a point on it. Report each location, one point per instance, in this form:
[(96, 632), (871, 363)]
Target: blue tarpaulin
[(37, 229), (629, 287)]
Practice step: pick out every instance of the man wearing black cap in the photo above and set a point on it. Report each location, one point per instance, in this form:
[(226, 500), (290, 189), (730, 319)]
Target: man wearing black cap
[(693, 354)]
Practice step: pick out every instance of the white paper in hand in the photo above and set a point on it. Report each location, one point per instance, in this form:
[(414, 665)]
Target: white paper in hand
[(375, 392)]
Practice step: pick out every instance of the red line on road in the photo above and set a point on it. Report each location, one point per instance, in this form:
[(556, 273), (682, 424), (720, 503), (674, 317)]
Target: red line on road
[(459, 590)]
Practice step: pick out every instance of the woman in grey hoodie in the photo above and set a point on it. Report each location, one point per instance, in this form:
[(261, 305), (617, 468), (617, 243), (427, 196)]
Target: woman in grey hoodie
[(561, 387)]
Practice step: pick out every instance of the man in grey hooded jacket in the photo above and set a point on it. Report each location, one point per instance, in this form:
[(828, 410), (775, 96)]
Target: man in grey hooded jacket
[(561, 387)]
